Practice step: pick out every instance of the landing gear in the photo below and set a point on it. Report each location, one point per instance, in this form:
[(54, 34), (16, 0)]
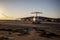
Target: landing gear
[(35, 22)]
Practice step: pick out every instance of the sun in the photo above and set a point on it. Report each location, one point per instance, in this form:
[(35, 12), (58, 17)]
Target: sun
[(1, 11), (3, 15)]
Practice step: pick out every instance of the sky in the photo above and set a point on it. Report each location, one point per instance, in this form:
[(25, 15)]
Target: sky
[(24, 8)]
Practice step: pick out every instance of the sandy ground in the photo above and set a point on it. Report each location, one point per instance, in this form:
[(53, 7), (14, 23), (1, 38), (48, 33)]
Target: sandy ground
[(33, 35)]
